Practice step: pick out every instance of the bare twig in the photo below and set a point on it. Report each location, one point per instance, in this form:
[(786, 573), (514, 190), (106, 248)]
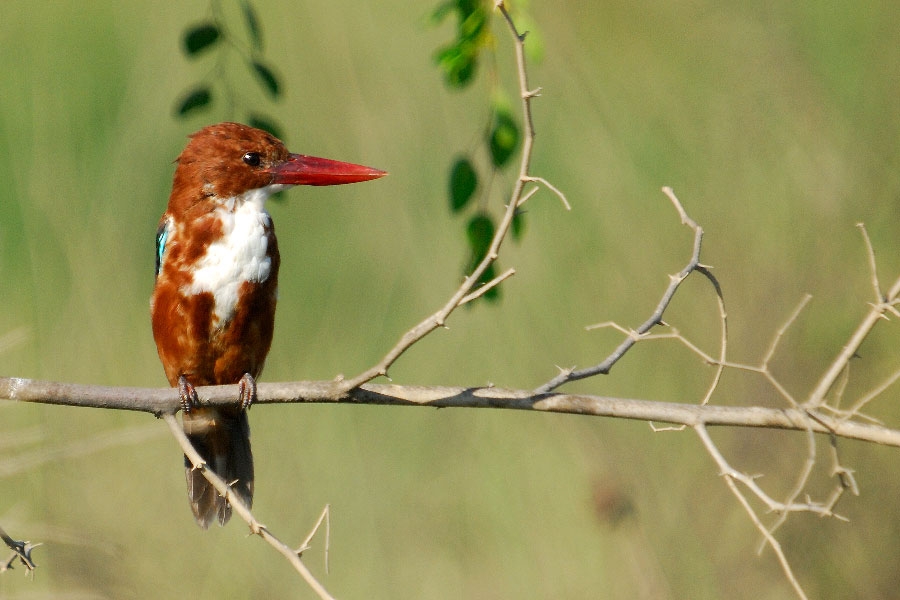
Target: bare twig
[(723, 339), (816, 416), (883, 304), (324, 517), (799, 485), (487, 286), (874, 393), (837, 372), (779, 333), (731, 477), (466, 292), (21, 553), (655, 319), (552, 188), (873, 265), (763, 367), (241, 509)]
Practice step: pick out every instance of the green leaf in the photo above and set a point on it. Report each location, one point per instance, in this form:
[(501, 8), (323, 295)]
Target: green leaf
[(200, 37), (518, 225), (197, 99), (440, 12), (267, 77), (459, 59), (472, 25), (467, 7), (463, 182), (458, 63), (503, 138), (480, 232), (265, 123), (252, 25)]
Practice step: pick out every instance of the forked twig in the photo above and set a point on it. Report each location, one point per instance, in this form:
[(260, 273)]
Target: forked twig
[(551, 187), (837, 372), (466, 292), (873, 265), (21, 553), (656, 318), (883, 304), (731, 476), (241, 509), (879, 389), (325, 517), (487, 286)]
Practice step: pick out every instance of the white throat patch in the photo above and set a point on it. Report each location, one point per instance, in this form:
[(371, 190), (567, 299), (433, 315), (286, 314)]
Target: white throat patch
[(239, 255)]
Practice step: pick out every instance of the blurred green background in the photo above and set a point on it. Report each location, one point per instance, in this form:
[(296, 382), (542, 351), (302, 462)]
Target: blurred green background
[(776, 123)]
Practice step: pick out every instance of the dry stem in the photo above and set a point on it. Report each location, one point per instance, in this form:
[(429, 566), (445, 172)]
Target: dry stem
[(161, 401), (675, 281), (465, 293), (237, 505)]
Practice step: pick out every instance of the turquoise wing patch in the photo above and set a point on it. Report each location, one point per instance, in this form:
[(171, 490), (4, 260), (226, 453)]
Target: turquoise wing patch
[(162, 234)]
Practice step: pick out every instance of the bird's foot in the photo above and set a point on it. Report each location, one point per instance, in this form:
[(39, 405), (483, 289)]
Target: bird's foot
[(247, 393), (188, 394)]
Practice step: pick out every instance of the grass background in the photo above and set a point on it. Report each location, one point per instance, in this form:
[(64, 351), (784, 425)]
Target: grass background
[(777, 124)]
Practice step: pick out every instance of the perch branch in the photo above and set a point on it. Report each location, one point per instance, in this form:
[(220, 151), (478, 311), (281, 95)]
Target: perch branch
[(161, 401)]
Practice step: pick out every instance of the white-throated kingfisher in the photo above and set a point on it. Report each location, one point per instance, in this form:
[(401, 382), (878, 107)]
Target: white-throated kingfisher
[(213, 304)]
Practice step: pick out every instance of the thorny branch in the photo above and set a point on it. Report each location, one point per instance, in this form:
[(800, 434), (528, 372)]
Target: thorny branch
[(731, 478), (818, 414), (655, 319), (519, 195), (878, 310), (21, 554), (256, 528), (814, 407), (828, 419), (161, 401), (463, 295)]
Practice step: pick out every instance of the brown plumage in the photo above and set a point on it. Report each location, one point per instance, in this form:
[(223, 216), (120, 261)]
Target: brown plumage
[(213, 304)]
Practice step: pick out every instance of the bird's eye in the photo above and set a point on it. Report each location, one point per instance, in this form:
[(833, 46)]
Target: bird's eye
[(251, 158)]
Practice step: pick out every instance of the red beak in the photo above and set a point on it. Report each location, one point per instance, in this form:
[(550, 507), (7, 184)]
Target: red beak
[(300, 169)]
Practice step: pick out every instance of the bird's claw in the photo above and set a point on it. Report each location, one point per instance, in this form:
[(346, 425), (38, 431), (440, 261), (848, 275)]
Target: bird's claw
[(247, 393), (188, 394)]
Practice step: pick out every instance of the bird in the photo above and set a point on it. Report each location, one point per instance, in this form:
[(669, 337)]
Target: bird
[(216, 286)]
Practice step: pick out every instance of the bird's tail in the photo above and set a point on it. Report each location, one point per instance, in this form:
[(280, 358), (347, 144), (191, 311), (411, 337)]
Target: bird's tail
[(222, 437)]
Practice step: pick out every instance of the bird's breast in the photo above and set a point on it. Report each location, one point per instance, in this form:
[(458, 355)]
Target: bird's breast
[(241, 255)]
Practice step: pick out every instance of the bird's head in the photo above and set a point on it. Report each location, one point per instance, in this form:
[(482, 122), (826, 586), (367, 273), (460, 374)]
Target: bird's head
[(226, 161)]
